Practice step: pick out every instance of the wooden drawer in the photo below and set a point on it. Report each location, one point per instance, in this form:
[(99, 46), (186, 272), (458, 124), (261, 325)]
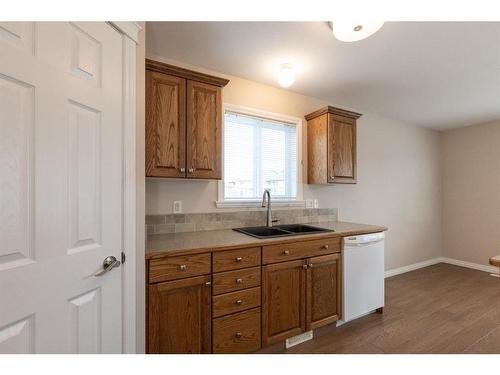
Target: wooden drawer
[(237, 333), (236, 259), (235, 280), (298, 250), (178, 267), (236, 301)]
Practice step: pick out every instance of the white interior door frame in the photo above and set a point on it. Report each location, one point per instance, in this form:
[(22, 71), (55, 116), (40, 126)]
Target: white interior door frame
[(130, 31)]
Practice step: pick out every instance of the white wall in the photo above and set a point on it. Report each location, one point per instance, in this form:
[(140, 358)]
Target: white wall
[(471, 192), (399, 176)]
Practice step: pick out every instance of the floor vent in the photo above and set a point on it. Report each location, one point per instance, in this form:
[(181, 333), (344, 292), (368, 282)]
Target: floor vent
[(299, 339)]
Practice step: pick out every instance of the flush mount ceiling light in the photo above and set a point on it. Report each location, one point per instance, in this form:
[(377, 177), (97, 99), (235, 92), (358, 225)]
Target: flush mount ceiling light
[(286, 76), (352, 31)]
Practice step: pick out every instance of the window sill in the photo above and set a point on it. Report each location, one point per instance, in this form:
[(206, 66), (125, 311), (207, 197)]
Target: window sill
[(255, 204)]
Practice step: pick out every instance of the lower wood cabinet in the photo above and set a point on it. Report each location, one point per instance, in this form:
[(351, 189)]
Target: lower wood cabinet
[(237, 333), (179, 316), (299, 296), (228, 302), (283, 301), (323, 291)]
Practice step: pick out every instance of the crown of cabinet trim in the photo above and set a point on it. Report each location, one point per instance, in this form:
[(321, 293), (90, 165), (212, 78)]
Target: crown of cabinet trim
[(334, 111), (160, 67)]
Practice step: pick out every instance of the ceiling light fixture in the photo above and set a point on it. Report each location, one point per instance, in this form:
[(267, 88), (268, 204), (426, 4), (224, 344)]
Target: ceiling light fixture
[(352, 31), (286, 76)]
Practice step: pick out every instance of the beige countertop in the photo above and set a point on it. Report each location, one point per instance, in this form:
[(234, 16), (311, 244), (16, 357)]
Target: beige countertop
[(161, 245)]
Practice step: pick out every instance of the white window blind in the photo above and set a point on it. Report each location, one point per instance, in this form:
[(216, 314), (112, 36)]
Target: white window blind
[(259, 154)]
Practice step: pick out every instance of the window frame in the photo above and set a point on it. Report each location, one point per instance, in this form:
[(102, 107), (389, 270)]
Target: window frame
[(249, 203)]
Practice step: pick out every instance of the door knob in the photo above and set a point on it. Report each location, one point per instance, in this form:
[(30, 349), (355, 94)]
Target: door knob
[(107, 265)]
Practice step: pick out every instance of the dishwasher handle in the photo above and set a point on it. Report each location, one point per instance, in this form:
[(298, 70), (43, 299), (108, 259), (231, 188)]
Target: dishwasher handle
[(364, 240)]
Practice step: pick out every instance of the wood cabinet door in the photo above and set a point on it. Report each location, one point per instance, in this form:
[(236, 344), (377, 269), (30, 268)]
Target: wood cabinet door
[(179, 319), (341, 150), (323, 291), (317, 139), (283, 298), (204, 131), (165, 125)]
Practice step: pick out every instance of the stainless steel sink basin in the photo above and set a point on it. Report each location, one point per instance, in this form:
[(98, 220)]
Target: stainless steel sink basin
[(280, 230)]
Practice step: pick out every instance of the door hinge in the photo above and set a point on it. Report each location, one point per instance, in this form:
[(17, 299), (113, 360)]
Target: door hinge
[(123, 257)]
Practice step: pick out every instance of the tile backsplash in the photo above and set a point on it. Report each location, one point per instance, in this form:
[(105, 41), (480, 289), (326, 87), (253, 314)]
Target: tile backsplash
[(195, 222)]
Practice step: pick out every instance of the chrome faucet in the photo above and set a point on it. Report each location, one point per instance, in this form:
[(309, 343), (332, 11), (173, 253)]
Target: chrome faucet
[(269, 221)]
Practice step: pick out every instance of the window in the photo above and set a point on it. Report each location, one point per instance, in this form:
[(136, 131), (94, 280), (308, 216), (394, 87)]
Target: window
[(260, 152)]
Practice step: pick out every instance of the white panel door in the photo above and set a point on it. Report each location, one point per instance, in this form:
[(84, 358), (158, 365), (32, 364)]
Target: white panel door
[(60, 187)]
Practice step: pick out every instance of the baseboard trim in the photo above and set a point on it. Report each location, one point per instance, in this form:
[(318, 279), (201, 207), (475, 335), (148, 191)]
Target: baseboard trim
[(412, 267), (475, 266), (430, 262)]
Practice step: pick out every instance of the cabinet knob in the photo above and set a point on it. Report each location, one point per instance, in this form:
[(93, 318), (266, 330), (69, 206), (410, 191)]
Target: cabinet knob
[(324, 247), (238, 335), (286, 252), (238, 259), (239, 280), (239, 302), (332, 178), (310, 265), (208, 283), (191, 170), (304, 266), (182, 169), (182, 267)]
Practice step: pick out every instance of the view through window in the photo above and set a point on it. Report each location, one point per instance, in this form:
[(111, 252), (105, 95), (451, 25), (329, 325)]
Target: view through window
[(259, 153)]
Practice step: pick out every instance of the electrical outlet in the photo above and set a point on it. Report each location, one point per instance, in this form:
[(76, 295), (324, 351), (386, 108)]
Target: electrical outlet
[(309, 203), (316, 203), (177, 207)]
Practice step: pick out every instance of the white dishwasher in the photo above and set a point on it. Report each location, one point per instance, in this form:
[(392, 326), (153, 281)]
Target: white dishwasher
[(363, 275)]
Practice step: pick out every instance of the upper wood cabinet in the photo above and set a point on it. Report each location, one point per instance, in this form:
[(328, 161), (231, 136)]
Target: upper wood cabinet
[(331, 146), (183, 122), (165, 125), (204, 133)]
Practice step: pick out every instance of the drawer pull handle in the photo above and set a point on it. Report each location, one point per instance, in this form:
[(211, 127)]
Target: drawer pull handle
[(239, 302), (238, 259), (182, 267), (238, 335), (286, 252), (239, 281), (324, 247)]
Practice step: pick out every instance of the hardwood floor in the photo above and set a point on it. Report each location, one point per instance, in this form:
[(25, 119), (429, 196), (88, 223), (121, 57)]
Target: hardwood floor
[(437, 309)]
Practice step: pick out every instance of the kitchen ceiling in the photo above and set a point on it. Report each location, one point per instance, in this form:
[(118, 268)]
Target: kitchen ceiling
[(439, 75)]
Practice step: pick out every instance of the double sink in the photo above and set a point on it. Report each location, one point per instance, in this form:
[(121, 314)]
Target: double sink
[(281, 230)]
